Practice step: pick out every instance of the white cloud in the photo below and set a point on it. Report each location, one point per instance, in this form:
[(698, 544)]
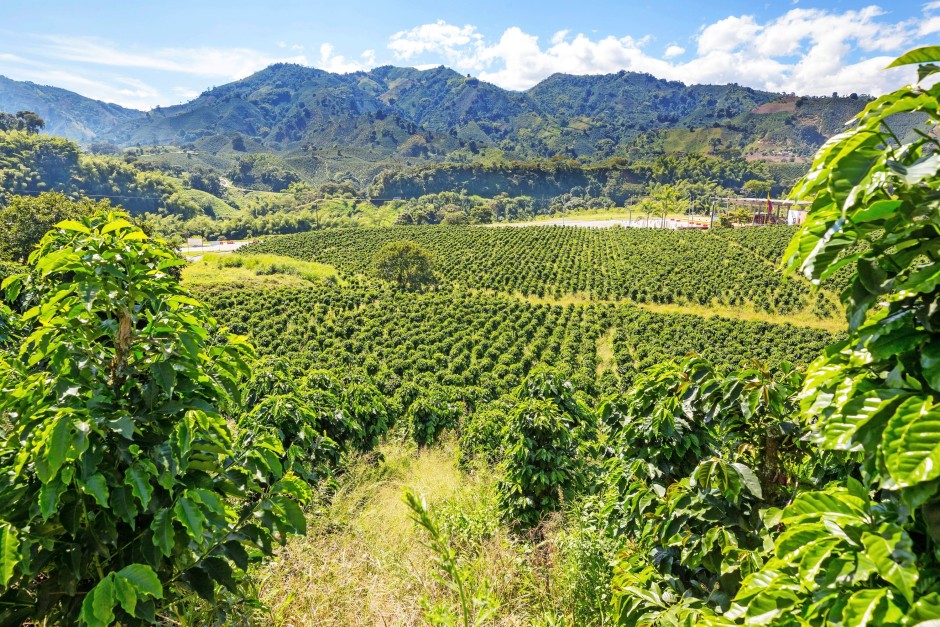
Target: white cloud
[(727, 34), (439, 37), (231, 63), (673, 51), (809, 51), (339, 64)]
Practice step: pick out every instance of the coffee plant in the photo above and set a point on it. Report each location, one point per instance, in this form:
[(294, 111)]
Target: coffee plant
[(124, 491), (864, 550), (462, 340)]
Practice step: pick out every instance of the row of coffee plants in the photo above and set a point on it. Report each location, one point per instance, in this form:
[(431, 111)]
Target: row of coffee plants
[(737, 268), (460, 339)]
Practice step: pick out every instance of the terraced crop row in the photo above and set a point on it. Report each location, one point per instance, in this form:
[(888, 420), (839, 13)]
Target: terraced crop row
[(462, 339), (737, 268)]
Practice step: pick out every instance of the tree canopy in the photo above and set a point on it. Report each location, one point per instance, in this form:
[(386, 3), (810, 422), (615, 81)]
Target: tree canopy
[(406, 264)]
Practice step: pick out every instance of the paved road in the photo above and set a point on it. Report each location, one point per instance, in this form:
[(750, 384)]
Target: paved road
[(652, 223), (213, 247)]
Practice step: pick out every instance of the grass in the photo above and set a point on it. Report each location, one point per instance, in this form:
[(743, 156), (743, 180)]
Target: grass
[(210, 205), (364, 561), (268, 269), (606, 360)]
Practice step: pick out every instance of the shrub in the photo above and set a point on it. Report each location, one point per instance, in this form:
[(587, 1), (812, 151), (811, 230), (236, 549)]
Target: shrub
[(123, 490), (541, 466)]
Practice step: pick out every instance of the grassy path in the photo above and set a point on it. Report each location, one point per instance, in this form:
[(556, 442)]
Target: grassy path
[(363, 561)]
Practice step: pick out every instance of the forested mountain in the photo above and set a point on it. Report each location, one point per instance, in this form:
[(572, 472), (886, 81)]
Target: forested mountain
[(66, 113), (312, 115)]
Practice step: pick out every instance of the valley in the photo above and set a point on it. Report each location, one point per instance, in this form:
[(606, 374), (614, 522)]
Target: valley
[(552, 342)]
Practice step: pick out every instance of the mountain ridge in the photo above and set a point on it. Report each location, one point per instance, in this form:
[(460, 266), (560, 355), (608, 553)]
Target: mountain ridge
[(311, 116)]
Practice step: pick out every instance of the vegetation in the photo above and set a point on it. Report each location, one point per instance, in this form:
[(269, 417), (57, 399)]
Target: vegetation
[(406, 264), (733, 268), (31, 164), (574, 441), (215, 268), (126, 492), (26, 219)]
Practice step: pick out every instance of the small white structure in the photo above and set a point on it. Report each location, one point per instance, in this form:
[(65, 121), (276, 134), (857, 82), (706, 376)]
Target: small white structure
[(193, 242), (796, 216)]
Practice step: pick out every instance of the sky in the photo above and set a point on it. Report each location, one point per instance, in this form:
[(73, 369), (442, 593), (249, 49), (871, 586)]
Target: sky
[(143, 54)]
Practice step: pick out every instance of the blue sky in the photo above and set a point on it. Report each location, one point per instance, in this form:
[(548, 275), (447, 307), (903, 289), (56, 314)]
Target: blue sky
[(142, 54)]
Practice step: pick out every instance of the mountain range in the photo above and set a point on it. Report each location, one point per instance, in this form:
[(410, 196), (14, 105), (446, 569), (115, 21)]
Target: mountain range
[(308, 115)]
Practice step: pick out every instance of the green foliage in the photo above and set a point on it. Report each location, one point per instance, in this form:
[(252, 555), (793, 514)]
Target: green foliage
[(31, 164), (26, 219), (477, 605), (866, 552), (698, 461), (23, 121), (307, 450), (124, 490), (469, 340), (406, 264), (645, 266), (542, 468), (262, 171), (481, 438), (429, 414)]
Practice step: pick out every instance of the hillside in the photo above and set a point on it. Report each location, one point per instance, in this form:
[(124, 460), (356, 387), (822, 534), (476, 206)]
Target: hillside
[(66, 113), (326, 124)]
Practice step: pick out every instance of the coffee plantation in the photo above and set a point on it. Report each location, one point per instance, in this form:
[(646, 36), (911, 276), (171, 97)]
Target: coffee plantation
[(550, 427), (735, 267)]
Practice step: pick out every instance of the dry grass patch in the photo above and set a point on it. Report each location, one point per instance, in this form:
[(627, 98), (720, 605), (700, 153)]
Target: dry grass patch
[(364, 561)]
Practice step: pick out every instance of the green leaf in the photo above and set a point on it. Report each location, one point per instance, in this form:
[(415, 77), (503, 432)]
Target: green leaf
[(876, 211), (97, 486), (143, 578), (840, 430), (98, 605), (925, 612), (930, 364), (49, 495), (126, 595), (870, 607), (894, 560), (926, 54), (749, 479), (164, 536), (72, 225), (56, 448), (911, 443), (189, 514), (114, 225), (292, 512), (835, 505), (928, 69), (138, 478), (164, 375), (9, 552)]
